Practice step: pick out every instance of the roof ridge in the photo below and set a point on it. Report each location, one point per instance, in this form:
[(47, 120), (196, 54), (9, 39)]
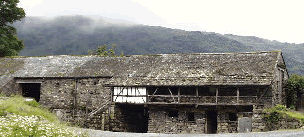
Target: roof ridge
[(206, 53), (169, 54)]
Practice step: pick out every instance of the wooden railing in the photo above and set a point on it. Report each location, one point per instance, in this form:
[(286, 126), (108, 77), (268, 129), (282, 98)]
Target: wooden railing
[(156, 97), (185, 99)]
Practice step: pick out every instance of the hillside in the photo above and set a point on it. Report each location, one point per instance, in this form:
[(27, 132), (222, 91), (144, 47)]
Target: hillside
[(78, 34)]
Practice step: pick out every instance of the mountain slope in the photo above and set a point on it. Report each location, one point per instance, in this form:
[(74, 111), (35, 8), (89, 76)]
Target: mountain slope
[(293, 53), (78, 34)]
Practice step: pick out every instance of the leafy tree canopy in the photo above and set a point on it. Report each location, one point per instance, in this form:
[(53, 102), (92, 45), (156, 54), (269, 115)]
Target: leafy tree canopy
[(104, 51), (295, 86), (9, 12)]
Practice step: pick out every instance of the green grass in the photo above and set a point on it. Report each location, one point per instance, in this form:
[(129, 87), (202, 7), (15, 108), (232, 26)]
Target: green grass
[(274, 114), (19, 117), (17, 105), (296, 115)]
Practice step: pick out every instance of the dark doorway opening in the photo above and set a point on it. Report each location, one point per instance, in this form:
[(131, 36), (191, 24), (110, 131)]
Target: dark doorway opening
[(31, 90), (300, 102), (134, 118), (211, 122)]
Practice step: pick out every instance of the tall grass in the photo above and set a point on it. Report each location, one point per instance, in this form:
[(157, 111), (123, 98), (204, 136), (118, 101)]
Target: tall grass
[(20, 118), (17, 105)]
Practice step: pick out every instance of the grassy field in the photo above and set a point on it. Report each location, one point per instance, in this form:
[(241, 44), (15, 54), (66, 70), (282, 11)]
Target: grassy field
[(20, 118)]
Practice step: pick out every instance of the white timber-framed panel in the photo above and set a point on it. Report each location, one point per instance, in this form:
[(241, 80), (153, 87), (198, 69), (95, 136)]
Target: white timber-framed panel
[(130, 94)]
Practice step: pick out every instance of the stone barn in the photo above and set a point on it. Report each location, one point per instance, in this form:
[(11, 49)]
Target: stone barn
[(165, 93)]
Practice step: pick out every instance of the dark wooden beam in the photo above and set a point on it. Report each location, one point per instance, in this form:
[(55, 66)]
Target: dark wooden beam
[(200, 104), (196, 89), (216, 94), (238, 95), (178, 94), (171, 94)]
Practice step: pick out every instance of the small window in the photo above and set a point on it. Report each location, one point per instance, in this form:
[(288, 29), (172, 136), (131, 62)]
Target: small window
[(173, 113), (232, 117), (190, 116)]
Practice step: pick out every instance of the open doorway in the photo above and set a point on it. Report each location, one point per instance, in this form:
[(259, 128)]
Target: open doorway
[(134, 118), (31, 90), (211, 122)]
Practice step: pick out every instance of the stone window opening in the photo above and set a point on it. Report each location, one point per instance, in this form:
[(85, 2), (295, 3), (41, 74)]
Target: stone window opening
[(31, 90), (190, 116), (232, 116), (173, 114)]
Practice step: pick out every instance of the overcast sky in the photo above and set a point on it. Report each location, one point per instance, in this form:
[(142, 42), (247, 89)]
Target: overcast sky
[(281, 20)]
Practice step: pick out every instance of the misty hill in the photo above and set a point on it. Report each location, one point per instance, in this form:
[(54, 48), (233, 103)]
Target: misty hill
[(77, 34)]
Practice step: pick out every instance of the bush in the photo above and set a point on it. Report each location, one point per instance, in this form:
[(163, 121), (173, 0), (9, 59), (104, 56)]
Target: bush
[(295, 86), (275, 114)]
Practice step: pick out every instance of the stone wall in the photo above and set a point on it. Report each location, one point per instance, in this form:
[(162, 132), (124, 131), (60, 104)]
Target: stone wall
[(278, 86), (226, 124), (161, 122), (258, 123), (73, 99), (285, 123), (10, 88)]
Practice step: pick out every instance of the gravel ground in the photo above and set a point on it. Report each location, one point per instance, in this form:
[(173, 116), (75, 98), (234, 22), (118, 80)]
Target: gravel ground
[(289, 133)]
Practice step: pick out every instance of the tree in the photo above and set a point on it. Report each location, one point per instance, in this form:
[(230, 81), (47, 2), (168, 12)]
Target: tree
[(295, 87), (104, 51), (9, 13)]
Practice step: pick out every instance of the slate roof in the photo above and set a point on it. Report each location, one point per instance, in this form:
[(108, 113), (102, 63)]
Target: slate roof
[(251, 68)]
